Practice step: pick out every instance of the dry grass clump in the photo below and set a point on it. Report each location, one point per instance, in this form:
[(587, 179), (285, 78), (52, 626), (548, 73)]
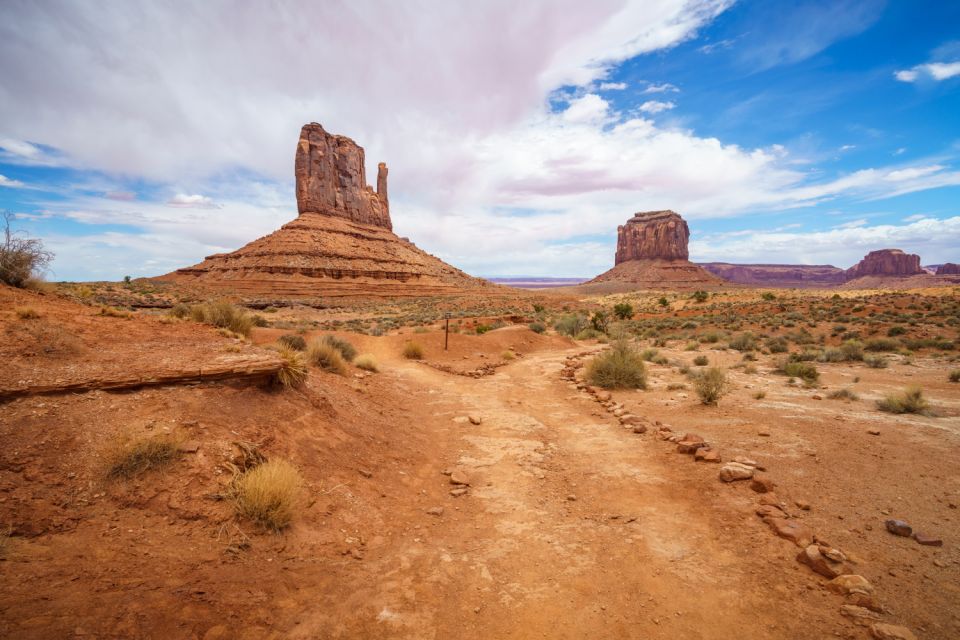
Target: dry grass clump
[(294, 370), (26, 313), (508, 355), (267, 493), (413, 351), (293, 341), (876, 362), (224, 315), (321, 353), (954, 376), (910, 400), (711, 385), (113, 312), (133, 458), (366, 362), (843, 394), (806, 371), (346, 349), (701, 361), (619, 368)]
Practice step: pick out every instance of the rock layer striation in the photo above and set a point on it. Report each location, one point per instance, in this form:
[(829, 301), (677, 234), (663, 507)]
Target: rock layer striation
[(653, 235)]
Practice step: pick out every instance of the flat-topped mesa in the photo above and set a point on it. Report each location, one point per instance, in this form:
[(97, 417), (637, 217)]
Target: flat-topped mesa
[(887, 262), (948, 269), (660, 235), (331, 179)]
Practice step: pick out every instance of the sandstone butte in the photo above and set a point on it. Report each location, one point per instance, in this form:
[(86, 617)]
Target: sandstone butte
[(652, 254), (341, 244), (948, 269)]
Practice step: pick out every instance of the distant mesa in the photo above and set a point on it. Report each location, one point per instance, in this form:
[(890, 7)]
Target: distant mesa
[(342, 243), (948, 269), (778, 275), (652, 254), (886, 262)]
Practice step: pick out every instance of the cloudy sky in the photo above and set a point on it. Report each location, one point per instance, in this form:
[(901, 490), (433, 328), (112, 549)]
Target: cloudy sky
[(138, 137)]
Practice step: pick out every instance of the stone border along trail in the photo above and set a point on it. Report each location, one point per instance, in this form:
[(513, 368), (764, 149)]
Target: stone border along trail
[(551, 524), (816, 553)]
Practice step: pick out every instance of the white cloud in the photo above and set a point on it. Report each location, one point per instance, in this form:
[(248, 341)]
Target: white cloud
[(196, 201), (590, 108), (935, 71), (613, 86), (848, 147), (8, 182), (853, 224), (656, 106), (665, 87)]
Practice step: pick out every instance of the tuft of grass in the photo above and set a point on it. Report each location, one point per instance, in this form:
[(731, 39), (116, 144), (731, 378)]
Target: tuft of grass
[(294, 370), (701, 361), (876, 362), (320, 353), (954, 376), (293, 341), (413, 351), (113, 312), (508, 355), (267, 494), (621, 367), (843, 394), (180, 310), (743, 342), (881, 344), (537, 327), (346, 349), (760, 395), (224, 315), (366, 362), (910, 400), (138, 456), (806, 371), (711, 385), (649, 355), (27, 313)]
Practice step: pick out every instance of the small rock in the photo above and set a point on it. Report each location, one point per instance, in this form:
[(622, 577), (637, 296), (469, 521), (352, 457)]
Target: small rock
[(435, 511), (765, 434), (926, 540), (813, 558), (791, 530), (572, 498), (874, 432), (459, 491), (733, 471), (474, 418), (762, 483), (459, 477), (770, 511), (639, 428), (461, 420), (690, 443), (604, 396), (630, 419), (802, 504), (706, 455), (190, 446), (817, 397), (772, 499), (849, 583), (365, 473), (899, 528), (882, 631), (860, 615), (747, 462)]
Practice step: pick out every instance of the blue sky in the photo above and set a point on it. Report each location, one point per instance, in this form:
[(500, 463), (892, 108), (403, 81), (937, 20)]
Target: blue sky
[(138, 139)]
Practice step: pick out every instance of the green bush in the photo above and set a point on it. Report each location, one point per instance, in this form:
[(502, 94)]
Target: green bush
[(881, 344), (700, 296), (413, 351), (701, 361), (570, 324), (224, 315), (623, 310), (910, 400), (618, 368), (806, 371), (346, 349), (744, 342), (876, 362), (852, 350), (895, 331), (537, 327), (954, 375), (843, 394), (778, 345), (293, 341), (711, 385)]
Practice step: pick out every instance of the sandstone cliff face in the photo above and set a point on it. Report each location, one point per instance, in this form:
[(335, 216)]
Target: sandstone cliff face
[(331, 179), (657, 235), (948, 269), (886, 262), (778, 275)]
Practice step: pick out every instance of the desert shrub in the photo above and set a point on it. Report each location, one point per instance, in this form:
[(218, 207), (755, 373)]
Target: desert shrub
[(778, 345), (267, 493), (843, 394), (760, 395), (852, 350), (537, 327), (599, 321), (881, 344), (346, 349), (570, 324), (481, 329), (21, 259), (293, 341), (876, 362), (831, 355), (113, 312), (589, 334), (623, 310), (663, 302), (743, 342), (26, 313), (710, 338), (766, 295), (618, 368), (412, 351), (366, 362), (701, 361), (508, 355), (954, 376), (320, 353), (224, 315), (711, 385), (895, 331), (910, 400), (676, 387), (693, 345), (700, 296), (258, 320), (136, 457), (180, 310), (293, 373), (649, 354), (806, 371)]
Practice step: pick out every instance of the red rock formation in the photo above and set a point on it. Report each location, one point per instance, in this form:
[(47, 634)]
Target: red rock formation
[(652, 254), (948, 269), (331, 179), (886, 262), (778, 275), (659, 235), (342, 243)]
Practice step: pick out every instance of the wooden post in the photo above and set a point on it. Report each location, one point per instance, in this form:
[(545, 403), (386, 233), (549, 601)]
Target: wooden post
[(446, 335)]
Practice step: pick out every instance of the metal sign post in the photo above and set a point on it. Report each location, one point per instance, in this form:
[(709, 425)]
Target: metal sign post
[(446, 333)]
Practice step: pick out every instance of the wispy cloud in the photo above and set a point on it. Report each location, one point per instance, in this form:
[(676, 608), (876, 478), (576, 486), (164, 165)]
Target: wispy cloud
[(656, 106), (664, 87), (935, 71), (7, 182), (195, 201)]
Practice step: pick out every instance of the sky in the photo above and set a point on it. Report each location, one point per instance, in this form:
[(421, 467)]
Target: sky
[(139, 137)]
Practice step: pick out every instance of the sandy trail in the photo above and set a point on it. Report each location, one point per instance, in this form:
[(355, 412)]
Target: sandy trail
[(574, 527)]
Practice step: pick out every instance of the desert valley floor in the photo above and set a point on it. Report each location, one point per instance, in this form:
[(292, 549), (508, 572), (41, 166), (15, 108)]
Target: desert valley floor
[(481, 492)]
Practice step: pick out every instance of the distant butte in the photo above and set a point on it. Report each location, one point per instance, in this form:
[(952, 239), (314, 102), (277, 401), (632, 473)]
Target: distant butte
[(342, 243)]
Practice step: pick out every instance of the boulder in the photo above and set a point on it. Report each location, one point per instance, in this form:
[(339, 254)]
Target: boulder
[(849, 583), (733, 471)]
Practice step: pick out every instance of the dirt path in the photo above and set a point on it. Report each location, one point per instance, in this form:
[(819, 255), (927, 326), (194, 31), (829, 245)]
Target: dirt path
[(573, 527)]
